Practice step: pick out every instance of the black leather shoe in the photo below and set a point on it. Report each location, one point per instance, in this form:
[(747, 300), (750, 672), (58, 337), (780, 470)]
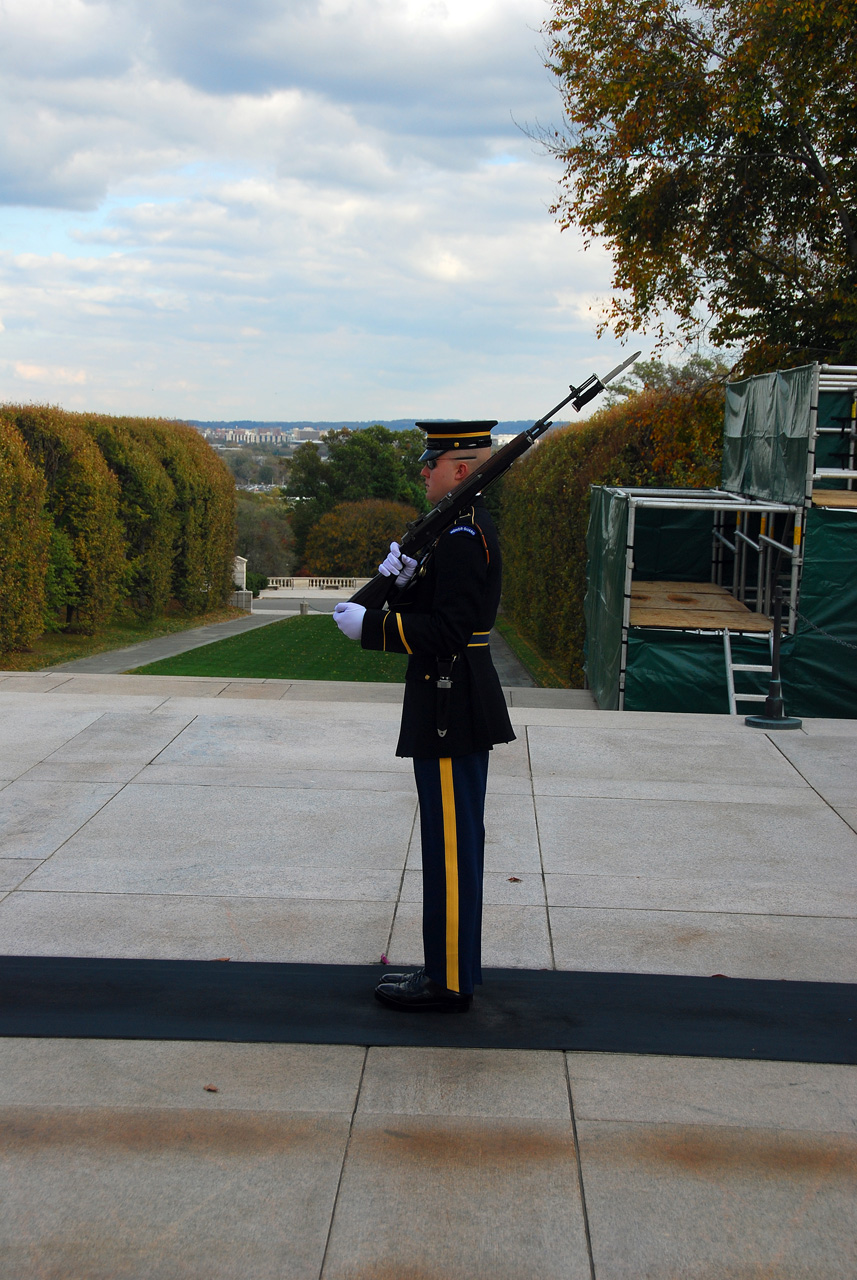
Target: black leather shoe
[(390, 976), (418, 991)]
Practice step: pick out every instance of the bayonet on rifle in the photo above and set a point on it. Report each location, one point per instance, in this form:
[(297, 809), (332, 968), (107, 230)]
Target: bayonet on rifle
[(422, 532)]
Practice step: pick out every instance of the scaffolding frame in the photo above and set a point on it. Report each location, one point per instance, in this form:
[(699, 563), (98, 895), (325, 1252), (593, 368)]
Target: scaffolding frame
[(736, 514), (720, 502), (835, 377)]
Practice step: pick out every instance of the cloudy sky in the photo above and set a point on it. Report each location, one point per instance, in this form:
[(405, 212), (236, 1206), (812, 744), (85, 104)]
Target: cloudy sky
[(286, 209)]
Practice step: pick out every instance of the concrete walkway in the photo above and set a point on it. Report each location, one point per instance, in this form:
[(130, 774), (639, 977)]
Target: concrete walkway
[(156, 817)]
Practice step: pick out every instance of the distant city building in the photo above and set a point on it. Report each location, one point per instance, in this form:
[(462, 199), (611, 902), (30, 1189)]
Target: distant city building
[(289, 434)]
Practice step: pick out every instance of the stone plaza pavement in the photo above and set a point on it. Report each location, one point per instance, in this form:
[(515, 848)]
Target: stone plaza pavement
[(270, 821)]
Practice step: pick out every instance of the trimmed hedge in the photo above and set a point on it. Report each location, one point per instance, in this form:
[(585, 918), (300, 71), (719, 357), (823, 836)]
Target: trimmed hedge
[(83, 502), (205, 508), (96, 509), (667, 438), (148, 510), (25, 534)]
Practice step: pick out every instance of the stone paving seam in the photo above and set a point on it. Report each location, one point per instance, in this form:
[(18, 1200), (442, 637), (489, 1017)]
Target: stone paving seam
[(580, 1184), (176, 735), (162, 703), (100, 809), (63, 843), (401, 883), (194, 893), (708, 911), (99, 716), (809, 784), (541, 856), (342, 1166)]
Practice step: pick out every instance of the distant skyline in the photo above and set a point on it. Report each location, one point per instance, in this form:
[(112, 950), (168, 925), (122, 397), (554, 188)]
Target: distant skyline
[(312, 211), (394, 424)]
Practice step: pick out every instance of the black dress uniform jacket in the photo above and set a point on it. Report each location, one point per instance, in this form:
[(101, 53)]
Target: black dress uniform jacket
[(446, 611)]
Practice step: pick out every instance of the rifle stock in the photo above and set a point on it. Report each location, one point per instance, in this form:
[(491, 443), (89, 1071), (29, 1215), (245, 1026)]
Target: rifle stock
[(425, 530)]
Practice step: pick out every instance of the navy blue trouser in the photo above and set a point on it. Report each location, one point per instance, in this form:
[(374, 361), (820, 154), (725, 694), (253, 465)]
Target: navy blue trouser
[(452, 805)]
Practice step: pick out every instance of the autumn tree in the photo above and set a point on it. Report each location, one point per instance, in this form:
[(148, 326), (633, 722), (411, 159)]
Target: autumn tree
[(712, 147), (353, 538), (263, 535), (373, 462)]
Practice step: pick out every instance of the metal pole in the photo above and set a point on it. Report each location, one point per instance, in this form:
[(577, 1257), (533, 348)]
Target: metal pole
[(742, 582), (797, 565), (626, 609), (774, 716), (813, 432)]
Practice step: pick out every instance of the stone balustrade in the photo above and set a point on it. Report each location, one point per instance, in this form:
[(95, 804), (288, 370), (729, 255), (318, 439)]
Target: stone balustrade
[(311, 584)]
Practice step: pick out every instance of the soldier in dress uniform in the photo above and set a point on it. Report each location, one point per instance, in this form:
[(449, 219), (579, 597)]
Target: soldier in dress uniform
[(441, 610)]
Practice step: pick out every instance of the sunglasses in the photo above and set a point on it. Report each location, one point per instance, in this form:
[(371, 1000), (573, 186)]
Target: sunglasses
[(431, 463)]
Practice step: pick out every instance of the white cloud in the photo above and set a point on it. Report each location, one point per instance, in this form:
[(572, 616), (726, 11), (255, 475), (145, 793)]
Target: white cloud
[(36, 373), (320, 209)]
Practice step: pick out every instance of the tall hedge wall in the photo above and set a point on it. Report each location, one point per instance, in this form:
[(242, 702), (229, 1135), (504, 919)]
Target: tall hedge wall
[(24, 542), (148, 510), (82, 500), (665, 438), (204, 507), (98, 510)]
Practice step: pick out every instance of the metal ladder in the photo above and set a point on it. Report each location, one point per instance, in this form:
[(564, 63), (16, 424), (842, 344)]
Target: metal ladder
[(732, 667)]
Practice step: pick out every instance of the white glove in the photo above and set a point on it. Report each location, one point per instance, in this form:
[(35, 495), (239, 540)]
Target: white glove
[(349, 618), (402, 566)]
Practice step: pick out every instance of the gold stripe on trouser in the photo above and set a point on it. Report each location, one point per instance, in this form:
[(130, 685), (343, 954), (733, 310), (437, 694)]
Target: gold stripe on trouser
[(450, 847)]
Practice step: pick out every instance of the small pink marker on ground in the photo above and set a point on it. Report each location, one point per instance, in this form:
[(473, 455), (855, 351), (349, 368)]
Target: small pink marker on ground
[(384, 959)]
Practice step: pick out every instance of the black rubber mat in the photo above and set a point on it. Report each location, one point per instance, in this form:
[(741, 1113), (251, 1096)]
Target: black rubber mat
[(515, 1009)]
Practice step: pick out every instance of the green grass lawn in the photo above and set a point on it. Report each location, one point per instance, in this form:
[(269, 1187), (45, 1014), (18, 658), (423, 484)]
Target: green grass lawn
[(299, 648), (124, 630)]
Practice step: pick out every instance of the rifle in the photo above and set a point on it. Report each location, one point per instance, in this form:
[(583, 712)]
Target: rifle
[(425, 530)]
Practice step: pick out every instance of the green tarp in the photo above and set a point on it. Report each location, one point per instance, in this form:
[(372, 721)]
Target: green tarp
[(672, 544), (668, 544), (834, 410), (766, 435), (685, 672), (820, 670), (682, 671), (606, 539)]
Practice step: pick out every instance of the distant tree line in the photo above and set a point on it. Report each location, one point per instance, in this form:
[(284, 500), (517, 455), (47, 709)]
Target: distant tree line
[(99, 511)]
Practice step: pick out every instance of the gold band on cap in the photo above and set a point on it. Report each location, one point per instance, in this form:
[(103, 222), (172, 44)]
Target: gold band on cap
[(442, 437)]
